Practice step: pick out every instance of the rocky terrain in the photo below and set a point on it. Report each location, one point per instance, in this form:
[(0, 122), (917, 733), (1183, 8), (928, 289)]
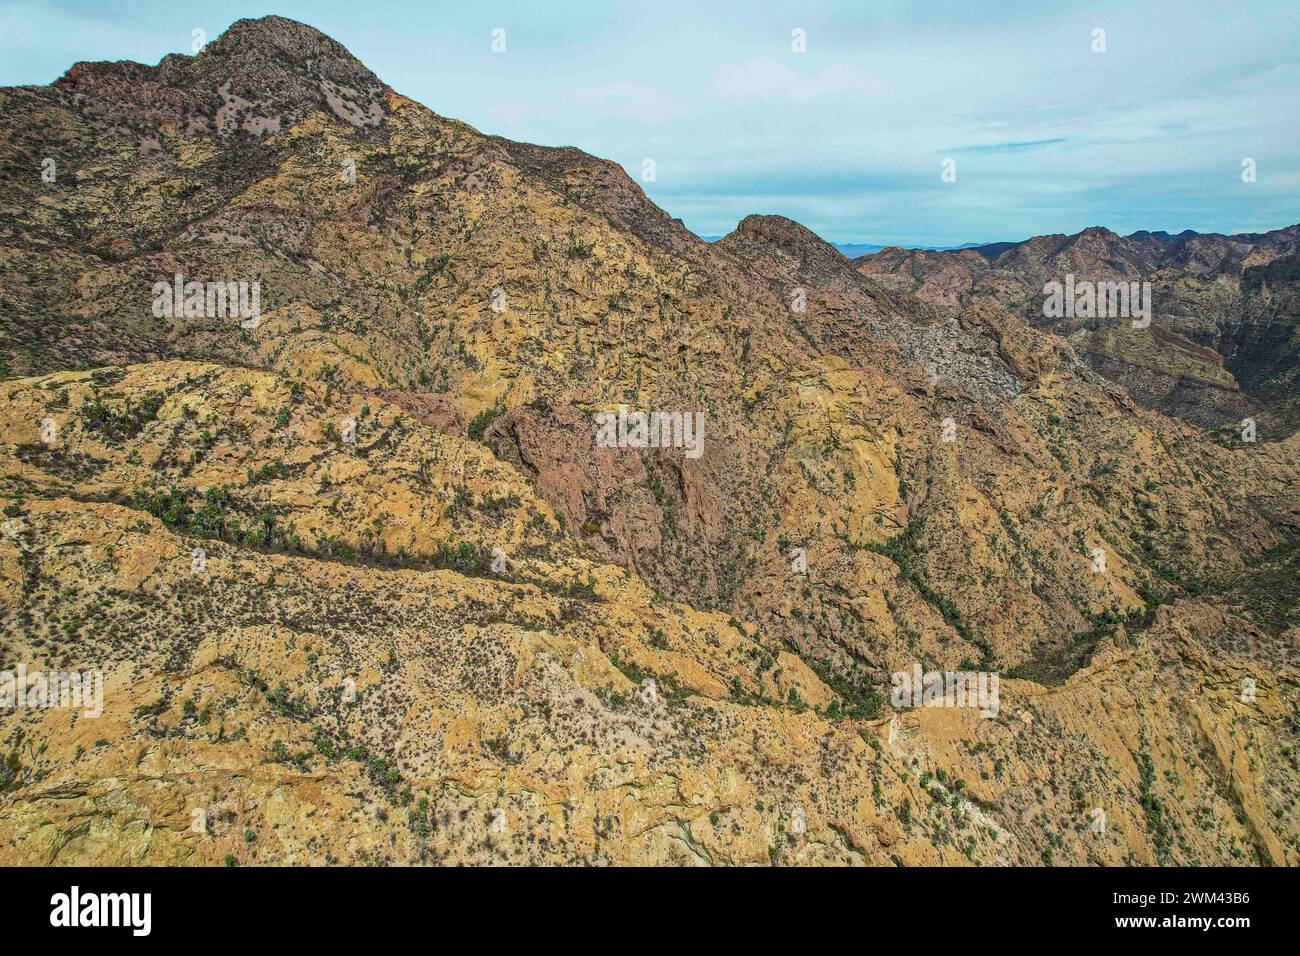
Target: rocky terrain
[(432, 621), (1224, 339)]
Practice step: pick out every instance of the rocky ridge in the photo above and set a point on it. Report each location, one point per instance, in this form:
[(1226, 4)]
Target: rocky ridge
[(1222, 344)]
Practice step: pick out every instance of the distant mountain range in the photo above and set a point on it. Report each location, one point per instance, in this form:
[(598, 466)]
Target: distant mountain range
[(1224, 341), (991, 250), (852, 250)]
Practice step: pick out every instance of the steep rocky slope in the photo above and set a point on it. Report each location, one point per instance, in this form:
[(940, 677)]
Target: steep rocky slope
[(334, 686), (1224, 339), (462, 307)]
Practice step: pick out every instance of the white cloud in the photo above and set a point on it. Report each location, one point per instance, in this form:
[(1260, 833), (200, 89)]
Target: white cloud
[(632, 101), (766, 79)]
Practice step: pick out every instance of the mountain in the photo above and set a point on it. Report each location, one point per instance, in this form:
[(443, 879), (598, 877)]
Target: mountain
[(1224, 338), (366, 586), (853, 250)]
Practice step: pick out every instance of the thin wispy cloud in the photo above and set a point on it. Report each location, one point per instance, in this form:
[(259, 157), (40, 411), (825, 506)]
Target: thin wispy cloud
[(1006, 147)]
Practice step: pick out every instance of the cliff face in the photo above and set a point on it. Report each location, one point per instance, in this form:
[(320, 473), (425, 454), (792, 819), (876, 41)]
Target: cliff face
[(1222, 344), (431, 602)]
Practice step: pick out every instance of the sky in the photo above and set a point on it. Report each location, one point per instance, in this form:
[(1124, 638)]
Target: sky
[(850, 135)]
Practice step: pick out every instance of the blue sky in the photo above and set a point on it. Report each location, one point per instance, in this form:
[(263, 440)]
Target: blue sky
[(847, 137)]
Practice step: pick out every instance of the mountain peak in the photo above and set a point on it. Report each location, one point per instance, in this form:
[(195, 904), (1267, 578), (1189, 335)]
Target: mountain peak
[(290, 41), (1096, 232), (278, 68), (789, 236), (259, 76)]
